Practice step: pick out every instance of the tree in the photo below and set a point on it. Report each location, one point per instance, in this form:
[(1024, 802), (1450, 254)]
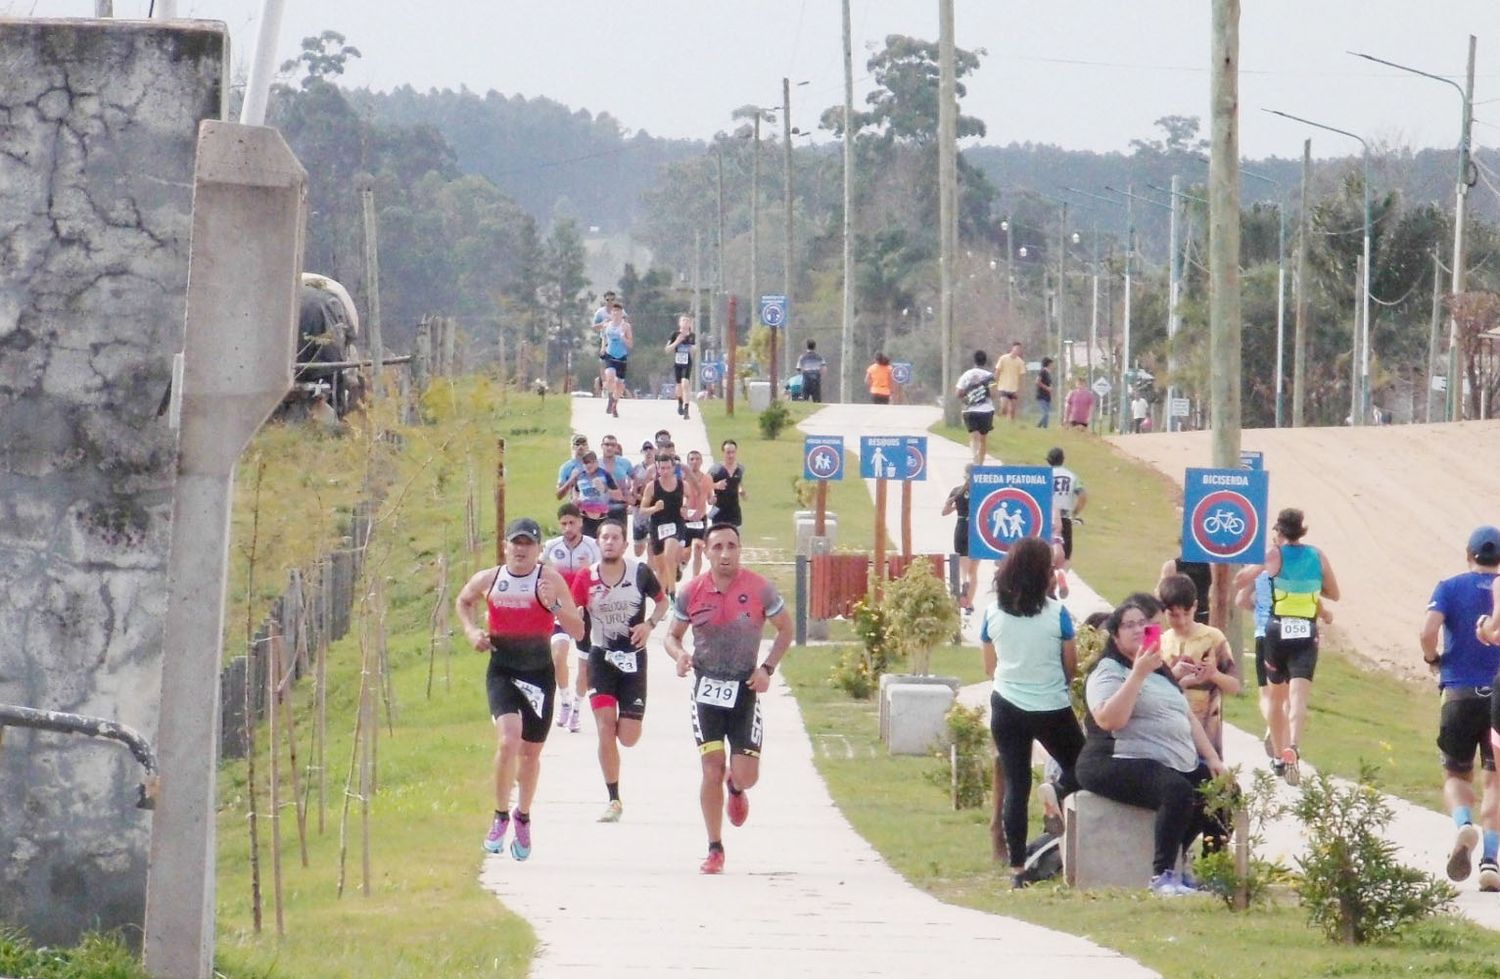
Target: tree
[(1179, 135), (563, 290), (323, 58), (904, 107), (1477, 314)]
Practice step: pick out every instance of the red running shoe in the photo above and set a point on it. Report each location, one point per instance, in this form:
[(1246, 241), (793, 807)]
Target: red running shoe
[(713, 863), (738, 808)]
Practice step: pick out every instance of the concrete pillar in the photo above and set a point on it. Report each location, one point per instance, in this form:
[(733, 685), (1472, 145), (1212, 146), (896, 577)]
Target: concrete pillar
[(98, 124), (249, 209)]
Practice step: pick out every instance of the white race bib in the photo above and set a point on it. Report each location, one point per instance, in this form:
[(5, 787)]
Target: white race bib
[(1296, 628), (717, 693), (683, 357), (694, 525), (533, 694), (623, 660), (666, 530)]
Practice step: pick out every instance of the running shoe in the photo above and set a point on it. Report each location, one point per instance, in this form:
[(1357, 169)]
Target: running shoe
[(1019, 882), (1278, 769), (1489, 876), (612, 812), (686, 410), (1460, 861), (737, 806), (1046, 794), (564, 713), (713, 863), (1290, 758), (1167, 884), (577, 720), (494, 840), (520, 846), (1266, 743)]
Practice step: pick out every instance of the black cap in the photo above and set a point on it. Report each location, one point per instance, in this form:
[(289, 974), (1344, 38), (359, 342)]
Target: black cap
[(523, 527), (1484, 544), (648, 444)]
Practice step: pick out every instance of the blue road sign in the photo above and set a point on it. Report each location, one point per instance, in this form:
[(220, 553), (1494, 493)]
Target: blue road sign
[(823, 457), (773, 311), (882, 457), (916, 457), (901, 372), (709, 372), (1252, 460), (1224, 515), (1006, 504)]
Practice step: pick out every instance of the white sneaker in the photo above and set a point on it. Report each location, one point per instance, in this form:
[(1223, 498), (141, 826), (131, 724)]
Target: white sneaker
[(564, 713), (577, 719)]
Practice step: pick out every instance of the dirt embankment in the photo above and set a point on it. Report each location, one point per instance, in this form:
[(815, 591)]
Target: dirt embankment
[(1391, 506)]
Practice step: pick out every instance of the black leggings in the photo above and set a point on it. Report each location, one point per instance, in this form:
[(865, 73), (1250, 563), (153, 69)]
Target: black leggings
[(1015, 730), (1180, 816)]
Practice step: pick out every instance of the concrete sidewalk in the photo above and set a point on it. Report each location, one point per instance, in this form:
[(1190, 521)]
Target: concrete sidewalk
[(802, 893), (1424, 836)]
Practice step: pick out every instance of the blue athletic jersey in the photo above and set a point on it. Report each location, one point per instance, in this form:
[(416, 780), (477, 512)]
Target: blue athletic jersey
[(614, 342), (1462, 599)]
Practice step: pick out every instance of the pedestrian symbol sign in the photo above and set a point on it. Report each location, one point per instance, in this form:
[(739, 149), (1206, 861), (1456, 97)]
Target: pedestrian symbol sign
[(1224, 515), (1008, 504), (893, 457), (708, 372), (901, 372), (823, 457), (773, 311)]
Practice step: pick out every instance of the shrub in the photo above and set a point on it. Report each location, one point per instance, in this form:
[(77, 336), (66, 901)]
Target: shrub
[(858, 670), (921, 614), (1218, 871), (1088, 643), (967, 764), (1353, 885), (775, 418)]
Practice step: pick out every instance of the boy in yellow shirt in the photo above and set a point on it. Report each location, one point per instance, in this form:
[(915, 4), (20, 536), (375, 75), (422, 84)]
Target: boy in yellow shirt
[(1198, 656)]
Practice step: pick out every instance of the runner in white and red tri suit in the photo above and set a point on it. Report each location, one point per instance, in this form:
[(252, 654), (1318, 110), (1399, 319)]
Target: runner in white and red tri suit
[(571, 553), (522, 599), (613, 593)]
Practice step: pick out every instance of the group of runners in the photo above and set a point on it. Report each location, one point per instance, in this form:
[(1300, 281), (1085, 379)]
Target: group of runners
[(617, 338), (585, 589)]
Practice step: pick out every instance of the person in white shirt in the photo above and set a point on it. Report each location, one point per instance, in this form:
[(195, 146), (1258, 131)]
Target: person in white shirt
[(1068, 500), (973, 391), (570, 553), (1139, 410)]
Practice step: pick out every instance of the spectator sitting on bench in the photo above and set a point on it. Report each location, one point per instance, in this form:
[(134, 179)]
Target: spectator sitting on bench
[(1145, 747)]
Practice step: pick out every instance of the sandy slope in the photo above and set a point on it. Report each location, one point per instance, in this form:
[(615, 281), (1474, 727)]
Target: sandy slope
[(1392, 507)]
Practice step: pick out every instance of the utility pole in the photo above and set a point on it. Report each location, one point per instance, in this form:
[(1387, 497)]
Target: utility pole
[(372, 282), (1355, 401), (1455, 386), (947, 197), (1125, 342), (1224, 274), (1010, 273), (755, 237), (262, 64), (1094, 311), (1299, 344), (1432, 338), (104, 8), (1062, 279), (1174, 291), (846, 328), (697, 279), (786, 160), (716, 316)]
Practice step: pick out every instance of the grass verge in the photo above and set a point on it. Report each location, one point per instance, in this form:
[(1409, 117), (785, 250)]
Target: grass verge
[(946, 853)]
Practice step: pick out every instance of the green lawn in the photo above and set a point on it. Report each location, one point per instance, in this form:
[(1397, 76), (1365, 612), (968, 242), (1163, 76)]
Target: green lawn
[(907, 817), (426, 915)]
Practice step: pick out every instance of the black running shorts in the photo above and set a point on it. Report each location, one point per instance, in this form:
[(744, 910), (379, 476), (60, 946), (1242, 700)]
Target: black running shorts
[(618, 677), (682, 372), (617, 365), (529, 693), (979, 421), (714, 722), (1463, 727), (1288, 657)]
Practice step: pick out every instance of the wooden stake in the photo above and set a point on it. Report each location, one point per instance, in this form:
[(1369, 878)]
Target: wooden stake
[(879, 538), (820, 520), (500, 501), (273, 675), (299, 801), (320, 693), (905, 521), (1242, 857)]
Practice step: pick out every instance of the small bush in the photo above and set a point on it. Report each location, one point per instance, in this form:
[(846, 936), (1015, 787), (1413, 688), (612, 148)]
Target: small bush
[(773, 420), (1217, 871), (96, 956), (858, 670), (921, 614), (1088, 643), (967, 764), (1353, 885)]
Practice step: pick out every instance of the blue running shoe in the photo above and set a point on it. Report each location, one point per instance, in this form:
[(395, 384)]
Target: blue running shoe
[(494, 840), (520, 845)]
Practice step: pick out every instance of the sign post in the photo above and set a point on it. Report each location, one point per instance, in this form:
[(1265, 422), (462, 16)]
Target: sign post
[(901, 377), (1224, 515), (822, 462), (773, 315), (1252, 460), (916, 469), (1008, 503)]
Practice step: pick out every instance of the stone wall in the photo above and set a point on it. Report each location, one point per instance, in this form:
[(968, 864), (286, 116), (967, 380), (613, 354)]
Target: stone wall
[(98, 122)]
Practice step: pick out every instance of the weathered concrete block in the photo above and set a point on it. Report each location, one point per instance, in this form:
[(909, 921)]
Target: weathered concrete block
[(886, 681), (918, 717), (1106, 843), (98, 129)]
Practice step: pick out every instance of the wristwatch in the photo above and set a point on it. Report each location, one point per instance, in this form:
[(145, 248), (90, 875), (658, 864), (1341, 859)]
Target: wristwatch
[(555, 606), (768, 667)]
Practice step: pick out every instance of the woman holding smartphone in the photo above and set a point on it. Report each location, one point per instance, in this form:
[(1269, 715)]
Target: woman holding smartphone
[(1027, 639), (1145, 747)]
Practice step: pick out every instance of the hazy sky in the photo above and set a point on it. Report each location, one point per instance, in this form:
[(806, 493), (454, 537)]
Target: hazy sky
[(1083, 75)]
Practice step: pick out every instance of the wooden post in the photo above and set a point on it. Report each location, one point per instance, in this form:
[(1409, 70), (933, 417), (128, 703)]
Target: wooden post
[(879, 539), (820, 519), (372, 282), (273, 675), (905, 520), (500, 501), (731, 340), (1242, 858)]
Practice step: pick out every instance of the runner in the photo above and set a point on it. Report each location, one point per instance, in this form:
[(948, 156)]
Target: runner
[(569, 554), (1009, 370), (574, 461), (1068, 500), (728, 607), (619, 468), (1255, 598), (615, 340), (523, 599), (878, 380), (1198, 656), (662, 501), (593, 489), (729, 485), (681, 348), (613, 592), (601, 316), (1301, 578), (973, 390), (1466, 672), (698, 494), (1044, 393), (958, 503), (811, 366)]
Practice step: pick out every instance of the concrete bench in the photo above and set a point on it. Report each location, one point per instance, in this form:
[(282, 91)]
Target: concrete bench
[(883, 695), (1106, 843), (918, 717)]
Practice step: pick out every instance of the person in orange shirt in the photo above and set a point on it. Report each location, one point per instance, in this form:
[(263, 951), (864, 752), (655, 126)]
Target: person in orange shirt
[(878, 380)]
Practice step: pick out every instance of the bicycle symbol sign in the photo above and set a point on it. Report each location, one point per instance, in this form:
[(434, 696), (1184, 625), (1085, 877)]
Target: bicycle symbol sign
[(1225, 524)]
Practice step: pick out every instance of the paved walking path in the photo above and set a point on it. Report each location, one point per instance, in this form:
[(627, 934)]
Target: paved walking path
[(802, 893), (1424, 836)]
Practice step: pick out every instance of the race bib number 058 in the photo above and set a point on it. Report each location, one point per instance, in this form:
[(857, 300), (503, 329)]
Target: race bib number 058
[(717, 693), (1296, 628)]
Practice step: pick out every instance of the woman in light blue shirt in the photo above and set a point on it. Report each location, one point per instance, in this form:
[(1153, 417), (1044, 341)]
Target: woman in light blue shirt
[(1028, 650)]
